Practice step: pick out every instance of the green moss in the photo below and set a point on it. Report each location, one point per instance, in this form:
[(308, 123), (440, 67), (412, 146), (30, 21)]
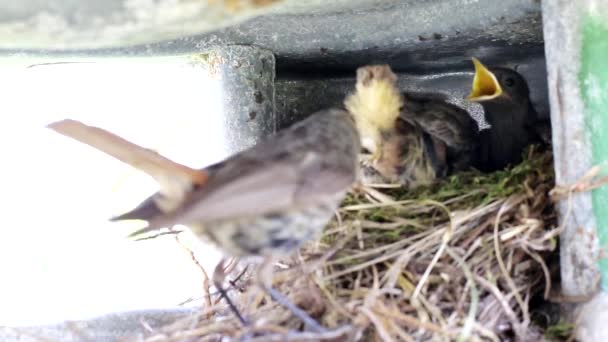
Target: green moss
[(465, 190), (559, 332), (485, 188)]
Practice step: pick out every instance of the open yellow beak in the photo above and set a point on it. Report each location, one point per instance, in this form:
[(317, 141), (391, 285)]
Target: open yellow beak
[(485, 85)]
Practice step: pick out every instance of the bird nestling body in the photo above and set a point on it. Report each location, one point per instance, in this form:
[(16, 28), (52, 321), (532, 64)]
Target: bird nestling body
[(505, 98), (414, 138), (265, 201)]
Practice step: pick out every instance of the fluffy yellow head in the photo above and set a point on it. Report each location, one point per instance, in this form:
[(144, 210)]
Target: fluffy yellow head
[(375, 104)]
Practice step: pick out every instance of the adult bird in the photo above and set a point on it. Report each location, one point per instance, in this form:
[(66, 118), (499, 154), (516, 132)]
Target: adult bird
[(265, 201), (414, 138), (514, 123)]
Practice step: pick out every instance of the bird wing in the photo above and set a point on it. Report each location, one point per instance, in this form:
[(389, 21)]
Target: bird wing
[(272, 188), (174, 179), (447, 122), (310, 162)]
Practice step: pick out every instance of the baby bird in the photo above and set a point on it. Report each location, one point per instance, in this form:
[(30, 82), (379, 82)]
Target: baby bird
[(505, 98), (375, 106), (414, 138), (265, 201)]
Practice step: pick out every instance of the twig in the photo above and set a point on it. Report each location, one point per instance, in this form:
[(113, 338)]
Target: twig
[(206, 285), (171, 232), (545, 269), (504, 303), (586, 183), (444, 244), (469, 323), (414, 322), (381, 329), (503, 269)]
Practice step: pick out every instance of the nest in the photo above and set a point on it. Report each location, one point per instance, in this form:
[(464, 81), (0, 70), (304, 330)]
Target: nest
[(464, 259)]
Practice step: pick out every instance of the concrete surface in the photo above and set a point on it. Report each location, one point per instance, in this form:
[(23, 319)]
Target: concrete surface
[(289, 27), (246, 75), (571, 145)]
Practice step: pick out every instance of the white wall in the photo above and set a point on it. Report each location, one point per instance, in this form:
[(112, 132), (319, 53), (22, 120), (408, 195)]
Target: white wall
[(59, 256)]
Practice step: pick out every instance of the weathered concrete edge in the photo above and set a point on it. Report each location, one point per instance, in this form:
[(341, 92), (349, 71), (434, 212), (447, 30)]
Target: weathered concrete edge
[(579, 248)]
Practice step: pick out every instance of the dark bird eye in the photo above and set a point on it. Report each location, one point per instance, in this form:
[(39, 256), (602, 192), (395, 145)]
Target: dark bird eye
[(509, 82)]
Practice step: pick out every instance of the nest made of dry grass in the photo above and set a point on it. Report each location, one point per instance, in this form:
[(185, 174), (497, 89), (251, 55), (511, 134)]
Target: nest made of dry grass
[(458, 260)]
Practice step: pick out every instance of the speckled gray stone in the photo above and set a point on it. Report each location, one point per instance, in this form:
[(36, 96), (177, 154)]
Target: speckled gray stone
[(247, 77)]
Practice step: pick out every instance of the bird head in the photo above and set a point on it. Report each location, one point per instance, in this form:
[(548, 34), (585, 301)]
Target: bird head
[(375, 105), (495, 85)]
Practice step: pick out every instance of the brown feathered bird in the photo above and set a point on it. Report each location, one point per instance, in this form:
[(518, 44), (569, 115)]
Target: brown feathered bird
[(505, 98), (414, 138), (265, 201)]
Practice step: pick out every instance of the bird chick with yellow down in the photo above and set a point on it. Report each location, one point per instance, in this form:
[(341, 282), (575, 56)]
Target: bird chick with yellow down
[(414, 138), (375, 106)]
